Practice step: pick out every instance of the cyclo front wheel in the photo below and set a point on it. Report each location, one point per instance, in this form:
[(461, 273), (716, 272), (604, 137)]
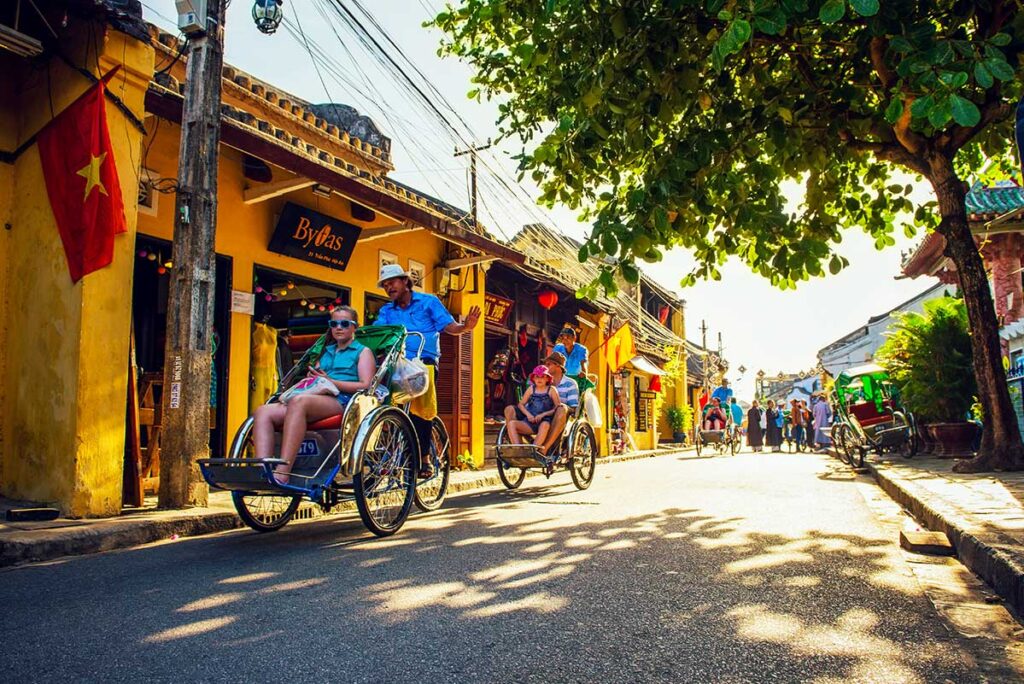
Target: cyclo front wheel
[(430, 493), (385, 485), (698, 440), (510, 476), (262, 512), (583, 459)]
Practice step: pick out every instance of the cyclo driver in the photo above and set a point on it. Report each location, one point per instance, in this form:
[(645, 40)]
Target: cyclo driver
[(422, 313)]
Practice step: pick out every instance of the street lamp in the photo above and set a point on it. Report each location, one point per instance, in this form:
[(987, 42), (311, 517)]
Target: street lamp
[(267, 14)]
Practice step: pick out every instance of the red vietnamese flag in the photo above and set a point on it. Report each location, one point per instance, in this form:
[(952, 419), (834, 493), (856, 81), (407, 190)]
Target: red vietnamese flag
[(81, 181)]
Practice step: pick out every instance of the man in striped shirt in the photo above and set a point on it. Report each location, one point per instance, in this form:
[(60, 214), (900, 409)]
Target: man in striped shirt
[(568, 392)]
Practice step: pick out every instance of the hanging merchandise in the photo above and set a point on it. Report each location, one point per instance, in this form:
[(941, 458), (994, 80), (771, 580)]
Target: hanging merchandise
[(264, 357)]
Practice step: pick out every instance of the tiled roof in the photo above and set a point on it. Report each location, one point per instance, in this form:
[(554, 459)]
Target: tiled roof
[(997, 200)]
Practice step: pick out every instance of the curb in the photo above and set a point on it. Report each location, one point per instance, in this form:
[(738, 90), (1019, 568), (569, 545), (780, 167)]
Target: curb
[(50, 544), (988, 554)]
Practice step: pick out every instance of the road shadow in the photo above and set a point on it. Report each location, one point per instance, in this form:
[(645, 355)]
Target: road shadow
[(488, 589)]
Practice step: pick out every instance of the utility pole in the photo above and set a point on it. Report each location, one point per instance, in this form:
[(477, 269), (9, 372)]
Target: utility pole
[(471, 151), (185, 434)]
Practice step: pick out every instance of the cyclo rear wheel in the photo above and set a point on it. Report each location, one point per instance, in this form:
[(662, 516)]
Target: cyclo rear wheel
[(698, 440), (385, 485), (583, 458), (510, 476), (431, 493), (262, 512)]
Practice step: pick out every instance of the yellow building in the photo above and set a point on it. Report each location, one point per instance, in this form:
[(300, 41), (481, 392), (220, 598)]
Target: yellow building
[(64, 349)]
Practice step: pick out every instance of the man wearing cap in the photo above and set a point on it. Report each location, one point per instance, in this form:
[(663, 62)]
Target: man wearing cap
[(723, 393), (576, 355), (423, 313)]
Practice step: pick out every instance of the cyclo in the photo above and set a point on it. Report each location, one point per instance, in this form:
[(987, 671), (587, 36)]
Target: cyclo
[(870, 416), (369, 453), (724, 440), (575, 450)]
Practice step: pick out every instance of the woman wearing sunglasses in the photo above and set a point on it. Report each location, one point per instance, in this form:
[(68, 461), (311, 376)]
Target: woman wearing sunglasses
[(348, 364)]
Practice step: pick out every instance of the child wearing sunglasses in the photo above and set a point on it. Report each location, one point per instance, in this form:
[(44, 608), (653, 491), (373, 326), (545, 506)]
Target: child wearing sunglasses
[(347, 363)]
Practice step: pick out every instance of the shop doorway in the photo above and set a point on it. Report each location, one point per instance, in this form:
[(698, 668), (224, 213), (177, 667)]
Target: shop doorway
[(290, 314), (150, 292)]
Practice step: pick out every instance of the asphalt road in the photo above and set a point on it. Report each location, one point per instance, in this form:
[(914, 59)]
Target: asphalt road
[(753, 568)]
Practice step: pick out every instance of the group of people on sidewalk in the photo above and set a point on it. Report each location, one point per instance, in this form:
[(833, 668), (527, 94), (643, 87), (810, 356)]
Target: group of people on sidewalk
[(798, 423)]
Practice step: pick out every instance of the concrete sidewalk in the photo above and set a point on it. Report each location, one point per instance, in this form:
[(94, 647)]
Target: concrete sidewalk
[(25, 542), (982, 515)]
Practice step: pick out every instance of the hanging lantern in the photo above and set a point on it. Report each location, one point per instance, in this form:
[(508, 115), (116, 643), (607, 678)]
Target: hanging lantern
[(312, 307), (547, 299), (142, 254), (161, 270), (168, 264), (151, 256), (284, 293), (267, 14), (303, 303), (259, 289), (269, 297), (322, 307)]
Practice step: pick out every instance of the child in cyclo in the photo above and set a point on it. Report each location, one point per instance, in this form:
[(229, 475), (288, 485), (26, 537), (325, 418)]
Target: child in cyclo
[(536, 408)]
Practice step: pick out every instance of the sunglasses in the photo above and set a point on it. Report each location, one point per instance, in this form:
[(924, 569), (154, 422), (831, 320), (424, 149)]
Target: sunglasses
[(343, 324)]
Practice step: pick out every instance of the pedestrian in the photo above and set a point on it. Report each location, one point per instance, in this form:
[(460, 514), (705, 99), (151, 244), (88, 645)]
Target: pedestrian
[(822, 416), (773, 427), (755, 426), (736, 417), (796, 423), (423, 313)]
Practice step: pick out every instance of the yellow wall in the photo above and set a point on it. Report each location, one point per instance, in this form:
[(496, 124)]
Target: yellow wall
[(66, 345), (593, 339)]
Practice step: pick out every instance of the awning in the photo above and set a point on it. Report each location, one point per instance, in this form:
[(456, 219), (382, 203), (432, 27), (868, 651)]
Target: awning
[(644, 365)]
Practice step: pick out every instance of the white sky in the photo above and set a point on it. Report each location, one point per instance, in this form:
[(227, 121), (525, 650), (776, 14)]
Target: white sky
[(762, 327)]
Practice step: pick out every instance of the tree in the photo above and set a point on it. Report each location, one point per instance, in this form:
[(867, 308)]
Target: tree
[(677, 122), (928, 357)]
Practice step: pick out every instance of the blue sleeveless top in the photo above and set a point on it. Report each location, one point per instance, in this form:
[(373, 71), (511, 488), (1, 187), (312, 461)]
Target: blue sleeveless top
[(342, 364)]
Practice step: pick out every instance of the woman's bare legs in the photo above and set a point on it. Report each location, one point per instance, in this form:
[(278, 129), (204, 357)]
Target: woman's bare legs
[(301, 411), (267, 420)]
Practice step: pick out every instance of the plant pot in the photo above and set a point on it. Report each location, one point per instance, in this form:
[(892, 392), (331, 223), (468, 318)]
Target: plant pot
[(678, 437), (953, 440)]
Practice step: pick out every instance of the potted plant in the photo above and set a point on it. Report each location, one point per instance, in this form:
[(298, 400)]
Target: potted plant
[(680, 419), (928, 357)]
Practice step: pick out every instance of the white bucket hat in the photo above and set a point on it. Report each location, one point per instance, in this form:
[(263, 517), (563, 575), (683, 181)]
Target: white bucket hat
[(389, 271)]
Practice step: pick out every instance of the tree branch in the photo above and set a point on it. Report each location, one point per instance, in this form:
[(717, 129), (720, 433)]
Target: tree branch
[(879, 44), (992, 112), (890, 152)]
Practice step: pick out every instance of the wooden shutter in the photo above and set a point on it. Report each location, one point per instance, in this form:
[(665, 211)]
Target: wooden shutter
[(455, 389)]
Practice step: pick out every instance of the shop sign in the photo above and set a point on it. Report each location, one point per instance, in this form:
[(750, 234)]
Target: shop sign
[(243, 302), (311, 236), (496, 309)]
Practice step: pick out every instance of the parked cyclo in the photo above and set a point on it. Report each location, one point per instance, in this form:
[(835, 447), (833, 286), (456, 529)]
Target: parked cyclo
[(368, 454), (575, 449), (869, 416)]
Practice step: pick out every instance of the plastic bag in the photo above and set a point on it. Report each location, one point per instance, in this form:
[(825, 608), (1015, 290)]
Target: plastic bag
[(763, 422), (409, 380), (593, 409), (425, 405), (317, 385)]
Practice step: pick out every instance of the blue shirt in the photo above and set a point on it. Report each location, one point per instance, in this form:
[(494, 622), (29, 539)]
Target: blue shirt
[(568, 392), (722, 394), (737, 413), (425, 314), (342, 364), (574, 360)]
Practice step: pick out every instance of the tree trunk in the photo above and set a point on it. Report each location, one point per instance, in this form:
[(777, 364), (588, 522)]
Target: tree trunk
[(1001, 447)]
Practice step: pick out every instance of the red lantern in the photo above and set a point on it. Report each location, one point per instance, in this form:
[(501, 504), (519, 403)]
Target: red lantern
[(548, 299), (655, 385)]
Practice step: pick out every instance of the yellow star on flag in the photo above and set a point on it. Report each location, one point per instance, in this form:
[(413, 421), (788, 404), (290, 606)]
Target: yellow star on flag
[(91, 173)]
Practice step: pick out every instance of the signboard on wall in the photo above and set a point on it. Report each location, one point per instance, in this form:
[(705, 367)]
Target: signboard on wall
[(311, 236), (496, 309)]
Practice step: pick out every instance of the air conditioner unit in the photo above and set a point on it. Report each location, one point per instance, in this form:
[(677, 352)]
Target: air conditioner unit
[(191, 16)]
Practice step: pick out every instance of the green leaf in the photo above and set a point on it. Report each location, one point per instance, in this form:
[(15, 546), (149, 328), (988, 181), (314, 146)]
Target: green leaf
[(1000, 68), (619, 24), (865, 8), (630, 272), (1000, 39), (772, 23), (921, 107), (832, 11), (473, 94), (983, 76), (583, 254), (940, 113), (965, 112), (894, 111), (741, 29)]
